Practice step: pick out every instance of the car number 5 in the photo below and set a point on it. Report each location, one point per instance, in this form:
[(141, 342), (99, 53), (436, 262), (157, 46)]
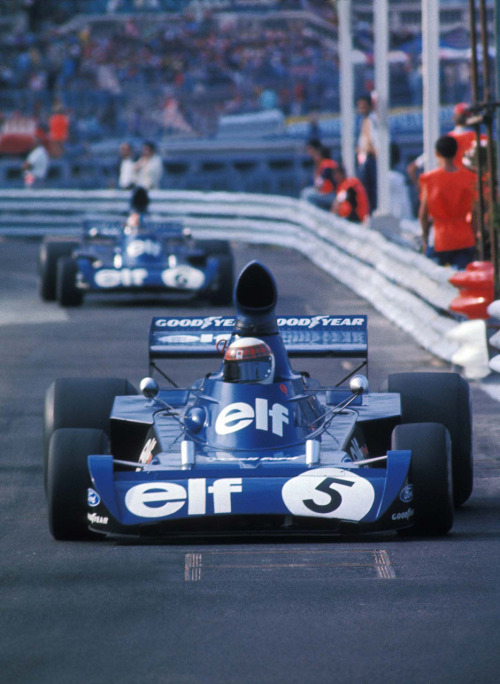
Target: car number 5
[(329, 492), (327, 487)]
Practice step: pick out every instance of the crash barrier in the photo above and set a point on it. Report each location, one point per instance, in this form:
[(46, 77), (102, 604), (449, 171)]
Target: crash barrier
[(284, 172), (406, 287)]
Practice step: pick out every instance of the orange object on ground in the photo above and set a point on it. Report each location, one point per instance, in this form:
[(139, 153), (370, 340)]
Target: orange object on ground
[(476, 290)]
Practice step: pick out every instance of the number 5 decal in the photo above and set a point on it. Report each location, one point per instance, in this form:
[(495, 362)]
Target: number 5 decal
[(329, 493), (335, 497)]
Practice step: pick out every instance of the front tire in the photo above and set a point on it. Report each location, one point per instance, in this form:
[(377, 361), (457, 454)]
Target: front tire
[(431, 469), (50, 253), (69, 479), (68, 293), (80, 403), (223, 295), (442, 398)]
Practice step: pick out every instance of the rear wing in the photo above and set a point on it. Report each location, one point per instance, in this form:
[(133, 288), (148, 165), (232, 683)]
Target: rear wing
[(96, 228), (303, 336)]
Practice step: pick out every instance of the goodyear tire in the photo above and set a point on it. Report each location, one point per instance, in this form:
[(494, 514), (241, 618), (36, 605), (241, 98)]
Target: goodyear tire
[(441, 398), (68, 481), (223, 295), (80, 403), (49, 255), (431, 468), (67, 292)]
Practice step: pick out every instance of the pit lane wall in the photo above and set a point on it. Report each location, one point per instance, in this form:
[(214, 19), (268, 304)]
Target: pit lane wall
[(402, 284)]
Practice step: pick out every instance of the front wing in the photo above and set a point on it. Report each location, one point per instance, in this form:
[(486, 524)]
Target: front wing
[(182, 277), (364, 498)]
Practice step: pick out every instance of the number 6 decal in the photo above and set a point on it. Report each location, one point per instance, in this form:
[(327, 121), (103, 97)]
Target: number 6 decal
[(329, 493)]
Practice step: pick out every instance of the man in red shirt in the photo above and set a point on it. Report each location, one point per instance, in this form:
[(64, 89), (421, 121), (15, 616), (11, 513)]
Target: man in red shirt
[(351, 201), (447, 198), (464, 136), (322, 193)]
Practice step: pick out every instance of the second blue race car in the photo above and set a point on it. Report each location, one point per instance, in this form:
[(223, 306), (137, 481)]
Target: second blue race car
[(158, 258)]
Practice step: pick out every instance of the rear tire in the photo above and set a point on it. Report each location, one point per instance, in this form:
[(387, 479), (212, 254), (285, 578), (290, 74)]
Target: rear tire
[(68, 293), (431, 476), (80, 403), (223, 295), (69, 479), (441, 398), (215, 247), (49, 255)]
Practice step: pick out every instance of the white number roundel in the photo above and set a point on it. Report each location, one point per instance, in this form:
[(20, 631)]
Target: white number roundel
[(329, 493), (183, 277)]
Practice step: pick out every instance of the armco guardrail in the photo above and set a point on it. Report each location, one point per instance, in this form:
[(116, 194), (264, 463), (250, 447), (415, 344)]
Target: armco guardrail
[(405, 286)]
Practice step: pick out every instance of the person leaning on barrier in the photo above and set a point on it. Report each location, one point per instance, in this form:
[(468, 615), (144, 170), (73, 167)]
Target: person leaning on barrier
[(351, 201), (322, 193), (447, 199)]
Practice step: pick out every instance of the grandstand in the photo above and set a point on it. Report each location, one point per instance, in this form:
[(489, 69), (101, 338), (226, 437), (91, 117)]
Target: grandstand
[(178, 70)]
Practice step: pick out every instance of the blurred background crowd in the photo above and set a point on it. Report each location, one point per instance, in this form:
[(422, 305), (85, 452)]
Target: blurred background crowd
[(157, 68)]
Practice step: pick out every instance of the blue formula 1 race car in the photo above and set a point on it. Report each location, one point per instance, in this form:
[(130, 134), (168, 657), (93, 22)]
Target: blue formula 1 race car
[(157, 258), (256, 445)]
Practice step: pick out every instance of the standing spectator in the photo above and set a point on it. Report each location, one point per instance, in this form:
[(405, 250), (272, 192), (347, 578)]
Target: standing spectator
[(126, 179), (58, 130), (366, 151), (149, 167), (448, 196), (322, 193), (400, 201), (36, 165), (351, 201), (464, 136)]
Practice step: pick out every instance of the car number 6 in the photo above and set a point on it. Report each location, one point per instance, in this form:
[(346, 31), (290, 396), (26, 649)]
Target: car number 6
[(326, 486)]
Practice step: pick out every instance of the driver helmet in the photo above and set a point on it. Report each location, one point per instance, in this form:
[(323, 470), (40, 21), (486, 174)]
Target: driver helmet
[(248, 359)]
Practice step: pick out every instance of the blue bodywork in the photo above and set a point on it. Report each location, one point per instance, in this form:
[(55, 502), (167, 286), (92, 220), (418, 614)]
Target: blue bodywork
[(160, 257), (289, 453)]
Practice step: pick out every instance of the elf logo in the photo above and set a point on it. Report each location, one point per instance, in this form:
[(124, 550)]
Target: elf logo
[(238, 416), (161, 499)]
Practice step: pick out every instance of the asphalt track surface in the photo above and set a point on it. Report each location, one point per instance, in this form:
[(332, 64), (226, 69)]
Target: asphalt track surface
[(371, 609)]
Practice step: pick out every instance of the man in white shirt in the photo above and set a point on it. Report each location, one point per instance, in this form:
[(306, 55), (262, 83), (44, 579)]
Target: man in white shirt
[(36, 165), (127, 177), (149, 168)]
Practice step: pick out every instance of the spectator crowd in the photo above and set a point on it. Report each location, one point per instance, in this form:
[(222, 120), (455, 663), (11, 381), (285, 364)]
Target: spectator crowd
[(150, 75)]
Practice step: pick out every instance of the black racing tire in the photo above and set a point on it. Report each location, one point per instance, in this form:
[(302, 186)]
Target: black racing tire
[(431, 476), (223, 295), (80, 403), (68, 293), (50, 253), (215, 247), (441, 398), (68, 480)]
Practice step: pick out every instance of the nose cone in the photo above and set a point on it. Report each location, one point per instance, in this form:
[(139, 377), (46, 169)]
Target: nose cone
[(256, 295)]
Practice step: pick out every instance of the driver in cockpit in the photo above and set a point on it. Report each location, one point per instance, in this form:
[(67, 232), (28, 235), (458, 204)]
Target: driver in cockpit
[(139, 204), (248, 360)]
